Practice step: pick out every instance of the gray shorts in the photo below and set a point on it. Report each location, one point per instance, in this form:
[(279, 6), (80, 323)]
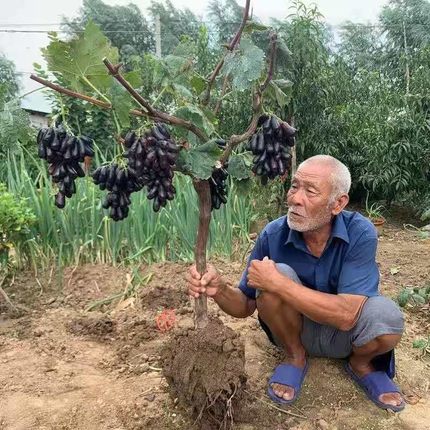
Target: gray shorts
[(379, 315)]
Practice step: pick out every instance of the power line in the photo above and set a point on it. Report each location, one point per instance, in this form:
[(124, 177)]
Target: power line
[(338, 26)]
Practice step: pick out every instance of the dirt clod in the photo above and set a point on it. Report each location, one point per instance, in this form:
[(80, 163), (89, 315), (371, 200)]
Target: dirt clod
[(206, 376)]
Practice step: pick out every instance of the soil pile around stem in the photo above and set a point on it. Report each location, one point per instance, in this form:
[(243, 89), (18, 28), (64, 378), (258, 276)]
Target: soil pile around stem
[(205, 369)]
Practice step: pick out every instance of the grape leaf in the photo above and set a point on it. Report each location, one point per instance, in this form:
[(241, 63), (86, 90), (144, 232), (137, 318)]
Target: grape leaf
[(284, 84), (278, 95), (199, 161), (198, 83), (242, 186), (177, 65), (81, 59), (122, 103), (182, 91), (239, 165), (194, 114), (252, 26), (245, 65)]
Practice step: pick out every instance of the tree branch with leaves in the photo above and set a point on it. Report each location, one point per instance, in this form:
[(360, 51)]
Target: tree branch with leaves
[(91, 67)]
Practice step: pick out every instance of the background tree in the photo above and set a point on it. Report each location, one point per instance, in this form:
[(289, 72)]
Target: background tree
[(8, 80), (225, 16), (124, 26), (15, 130), (175, 23)]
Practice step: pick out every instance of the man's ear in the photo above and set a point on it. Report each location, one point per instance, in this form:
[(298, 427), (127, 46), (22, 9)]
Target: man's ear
[(340, 204)]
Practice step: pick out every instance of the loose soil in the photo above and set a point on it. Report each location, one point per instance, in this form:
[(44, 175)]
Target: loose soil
[(62, 367)]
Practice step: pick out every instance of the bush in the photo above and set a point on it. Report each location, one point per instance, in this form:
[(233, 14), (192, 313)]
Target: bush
[(15, 220)]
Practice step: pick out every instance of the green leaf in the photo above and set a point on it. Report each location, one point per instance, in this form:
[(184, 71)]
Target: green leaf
[(252, 26), (194, 114), (81, 59), (122, 103), (278, 95), (177, 65), (242, 186), (134, 78), (403, 298), (420, 344), (198, 84), (200, 161), (245, 65), (182, 91), (284, 84), (282, 51), (418, 299), (239, 165)]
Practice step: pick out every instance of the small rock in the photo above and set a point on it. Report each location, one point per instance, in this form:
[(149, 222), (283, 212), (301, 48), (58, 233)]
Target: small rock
[(144, 367), (186, 324), (228, 346), (150, 397), (323, 424)]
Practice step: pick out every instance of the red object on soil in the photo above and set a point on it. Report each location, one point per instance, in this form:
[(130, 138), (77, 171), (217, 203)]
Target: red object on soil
[(166, 320)]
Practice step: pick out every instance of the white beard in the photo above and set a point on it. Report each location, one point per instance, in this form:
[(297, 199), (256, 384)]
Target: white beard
[(309, 224)]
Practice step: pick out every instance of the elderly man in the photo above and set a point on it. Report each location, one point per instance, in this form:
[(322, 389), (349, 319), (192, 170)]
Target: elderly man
[(313, 278)]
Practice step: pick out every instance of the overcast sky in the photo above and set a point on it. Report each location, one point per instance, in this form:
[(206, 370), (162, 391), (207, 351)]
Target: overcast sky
[(24, 48)]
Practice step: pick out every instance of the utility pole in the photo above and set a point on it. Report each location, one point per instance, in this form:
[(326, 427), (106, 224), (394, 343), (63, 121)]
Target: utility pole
[(157, 36)]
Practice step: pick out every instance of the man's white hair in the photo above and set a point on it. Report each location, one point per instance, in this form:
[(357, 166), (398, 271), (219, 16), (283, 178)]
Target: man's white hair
[(340, 176)]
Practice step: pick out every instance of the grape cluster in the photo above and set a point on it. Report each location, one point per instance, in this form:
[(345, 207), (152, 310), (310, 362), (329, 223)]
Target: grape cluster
[(153, 157), (218, 187), (120, 182), (63, 152), (271, 147)]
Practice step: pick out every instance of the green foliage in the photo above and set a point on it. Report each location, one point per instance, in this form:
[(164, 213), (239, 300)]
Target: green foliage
[(175, 23), (226, 16), (197, 116), (15, 221), (239, 165), (8, 81), (15, 131), (244, 65), (80, 60), (200, 160), (125, 26), (82, 233), (414, 296), (423, 345)]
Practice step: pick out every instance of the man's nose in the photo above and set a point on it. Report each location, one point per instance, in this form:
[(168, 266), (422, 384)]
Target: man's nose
[(296, 199)]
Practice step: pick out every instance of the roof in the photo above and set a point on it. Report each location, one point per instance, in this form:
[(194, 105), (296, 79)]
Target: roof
[(37, 102)]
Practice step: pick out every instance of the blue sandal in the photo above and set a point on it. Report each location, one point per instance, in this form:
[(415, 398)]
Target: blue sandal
[(374, 384), (287, 374)]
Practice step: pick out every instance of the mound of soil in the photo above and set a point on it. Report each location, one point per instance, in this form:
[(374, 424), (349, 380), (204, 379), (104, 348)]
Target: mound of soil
[(206, 371), (92, 326)]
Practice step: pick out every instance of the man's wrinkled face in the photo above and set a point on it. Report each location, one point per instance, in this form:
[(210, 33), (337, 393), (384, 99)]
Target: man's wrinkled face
[(309, 205)]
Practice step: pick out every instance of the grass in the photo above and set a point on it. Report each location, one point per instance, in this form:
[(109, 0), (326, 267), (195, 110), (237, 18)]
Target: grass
[(82, 232)]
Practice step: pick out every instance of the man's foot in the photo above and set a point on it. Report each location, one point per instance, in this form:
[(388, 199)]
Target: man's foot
[(393, 400), (287, 380)]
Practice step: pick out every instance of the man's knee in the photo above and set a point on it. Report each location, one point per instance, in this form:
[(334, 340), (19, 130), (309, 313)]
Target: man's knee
[(288, 271), (272, 299), (379, 316), (267, 300)]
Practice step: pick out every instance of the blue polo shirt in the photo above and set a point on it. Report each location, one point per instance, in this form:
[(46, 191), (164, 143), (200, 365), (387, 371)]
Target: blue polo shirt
[(347, 265)]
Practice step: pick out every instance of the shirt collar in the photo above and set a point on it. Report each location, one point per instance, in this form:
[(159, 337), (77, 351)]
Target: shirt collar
[(338, 230)]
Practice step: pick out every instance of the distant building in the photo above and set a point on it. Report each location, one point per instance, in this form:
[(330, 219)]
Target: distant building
[(38, 108)]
